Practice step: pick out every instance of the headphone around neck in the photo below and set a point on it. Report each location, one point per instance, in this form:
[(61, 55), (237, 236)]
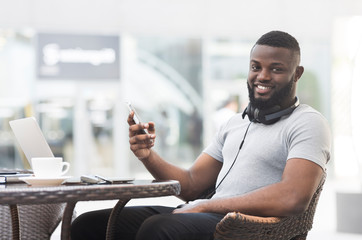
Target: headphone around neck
[(268, 116)]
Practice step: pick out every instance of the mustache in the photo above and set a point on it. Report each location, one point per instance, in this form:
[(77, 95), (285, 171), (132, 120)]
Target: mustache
[(276, 99)]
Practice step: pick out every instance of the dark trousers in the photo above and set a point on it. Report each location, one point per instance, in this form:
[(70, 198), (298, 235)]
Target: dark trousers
[(147, 222)]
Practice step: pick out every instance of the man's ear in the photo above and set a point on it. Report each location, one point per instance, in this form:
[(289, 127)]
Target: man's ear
[(298, 73)]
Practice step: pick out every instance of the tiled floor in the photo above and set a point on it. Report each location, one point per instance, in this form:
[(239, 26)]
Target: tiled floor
[(324, 227)]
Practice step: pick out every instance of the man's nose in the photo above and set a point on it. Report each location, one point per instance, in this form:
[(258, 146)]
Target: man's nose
[(264, 75)]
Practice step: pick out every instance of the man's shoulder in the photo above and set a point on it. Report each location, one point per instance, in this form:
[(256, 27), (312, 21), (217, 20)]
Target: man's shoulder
[(305, 108), (307, 115)]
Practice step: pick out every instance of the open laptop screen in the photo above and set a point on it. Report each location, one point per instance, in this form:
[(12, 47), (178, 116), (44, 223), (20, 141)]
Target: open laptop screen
[(30, 138)]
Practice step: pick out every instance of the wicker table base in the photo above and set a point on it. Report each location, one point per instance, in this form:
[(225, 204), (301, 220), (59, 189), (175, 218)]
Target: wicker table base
[(23, 194)]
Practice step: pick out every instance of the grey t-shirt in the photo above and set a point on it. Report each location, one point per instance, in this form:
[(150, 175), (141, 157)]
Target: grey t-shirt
[(266, 149)]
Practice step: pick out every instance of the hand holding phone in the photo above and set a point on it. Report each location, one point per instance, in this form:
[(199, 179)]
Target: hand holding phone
[(140, 150), (136, 117)]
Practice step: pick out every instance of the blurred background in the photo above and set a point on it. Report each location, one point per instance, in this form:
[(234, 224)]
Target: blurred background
[(182, 64)]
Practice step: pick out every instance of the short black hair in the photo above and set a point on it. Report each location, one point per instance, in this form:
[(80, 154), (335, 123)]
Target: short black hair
[(279, 39)]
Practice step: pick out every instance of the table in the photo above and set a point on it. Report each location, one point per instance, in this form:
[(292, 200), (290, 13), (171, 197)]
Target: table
[(15, 194)]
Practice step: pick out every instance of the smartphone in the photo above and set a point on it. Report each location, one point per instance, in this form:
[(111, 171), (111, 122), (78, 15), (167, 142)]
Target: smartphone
[(90, 179), (136, 117)]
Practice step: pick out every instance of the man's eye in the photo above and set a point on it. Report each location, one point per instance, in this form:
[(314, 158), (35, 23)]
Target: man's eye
[(277, 69), (253, 67)]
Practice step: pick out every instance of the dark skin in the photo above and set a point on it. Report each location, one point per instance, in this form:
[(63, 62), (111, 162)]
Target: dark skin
[(270, 69)]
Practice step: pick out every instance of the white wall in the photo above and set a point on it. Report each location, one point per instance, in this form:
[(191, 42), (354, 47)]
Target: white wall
[(309, 19)]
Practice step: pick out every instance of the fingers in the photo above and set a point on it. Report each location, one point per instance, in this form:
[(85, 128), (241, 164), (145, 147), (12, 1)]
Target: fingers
[(140, 126), (135, 129), (138, 135), (151, 128), (142, 139), (140, 145), (130, 119), (139, 129)]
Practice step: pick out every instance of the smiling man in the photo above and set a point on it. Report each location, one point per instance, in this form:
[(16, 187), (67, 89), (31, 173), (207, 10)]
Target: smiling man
[(268, 164), (273, 73)]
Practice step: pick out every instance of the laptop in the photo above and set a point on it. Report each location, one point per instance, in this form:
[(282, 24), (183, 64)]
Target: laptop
[(30, 138)]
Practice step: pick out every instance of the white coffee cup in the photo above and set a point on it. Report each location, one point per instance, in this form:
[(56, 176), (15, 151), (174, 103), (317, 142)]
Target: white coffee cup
[(49, 167)]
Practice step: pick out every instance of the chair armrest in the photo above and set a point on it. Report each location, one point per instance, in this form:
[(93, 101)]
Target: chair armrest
[(237, 217), (240, 226)]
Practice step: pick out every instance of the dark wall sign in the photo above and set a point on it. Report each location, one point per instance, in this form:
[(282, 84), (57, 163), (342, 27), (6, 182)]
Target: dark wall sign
[(63, 56)]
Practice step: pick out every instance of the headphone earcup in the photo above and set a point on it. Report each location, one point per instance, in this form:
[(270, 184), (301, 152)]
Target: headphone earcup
[(249, 110), (251, 113)]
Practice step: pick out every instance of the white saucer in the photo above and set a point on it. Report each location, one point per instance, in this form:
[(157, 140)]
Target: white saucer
[(41, 181)]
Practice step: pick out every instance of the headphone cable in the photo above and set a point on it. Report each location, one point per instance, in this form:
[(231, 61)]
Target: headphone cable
[(241, 145)]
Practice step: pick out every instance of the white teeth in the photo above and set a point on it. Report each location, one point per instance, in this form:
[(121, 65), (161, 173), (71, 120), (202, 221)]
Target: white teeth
[(263, 87)]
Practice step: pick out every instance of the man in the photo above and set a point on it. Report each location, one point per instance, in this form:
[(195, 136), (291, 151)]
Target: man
[(268, 164)]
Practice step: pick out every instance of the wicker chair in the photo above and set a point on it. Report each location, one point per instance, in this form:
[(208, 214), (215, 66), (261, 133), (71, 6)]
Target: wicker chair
[(238, 226), (37, 222)]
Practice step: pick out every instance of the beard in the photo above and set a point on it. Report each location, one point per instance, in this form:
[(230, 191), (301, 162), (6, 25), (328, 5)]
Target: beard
[(276, 99)]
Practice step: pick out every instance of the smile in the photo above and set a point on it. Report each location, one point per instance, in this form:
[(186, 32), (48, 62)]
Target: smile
[(263, 87)]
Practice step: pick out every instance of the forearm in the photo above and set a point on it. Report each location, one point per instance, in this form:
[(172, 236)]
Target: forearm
[(288, 197), (194, 181), (161, 169), (273, 200)]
